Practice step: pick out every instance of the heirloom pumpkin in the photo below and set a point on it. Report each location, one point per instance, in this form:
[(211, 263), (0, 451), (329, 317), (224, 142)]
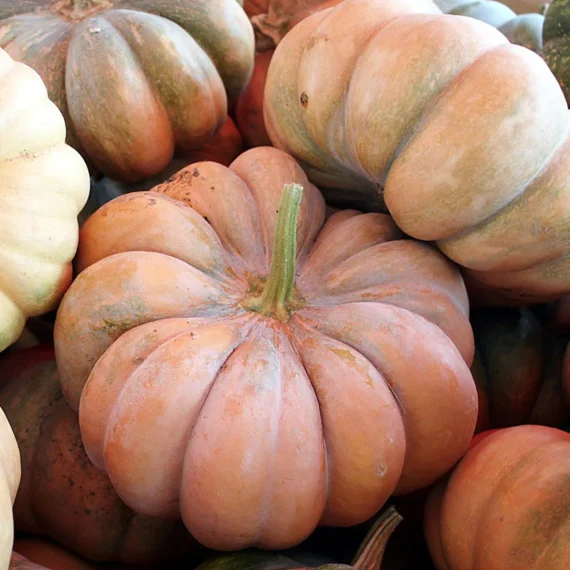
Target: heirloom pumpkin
[(282, 374), (506, 505), (62, 495), (135, 79), (524, 29), (43, 185), (461, 135), (9, 481), (518, 369)]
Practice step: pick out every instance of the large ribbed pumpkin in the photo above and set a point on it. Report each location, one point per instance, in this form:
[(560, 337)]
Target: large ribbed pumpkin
[(280, 374), (135, 79), (62, 494), (43, 185), (463, 136), (506, 506)]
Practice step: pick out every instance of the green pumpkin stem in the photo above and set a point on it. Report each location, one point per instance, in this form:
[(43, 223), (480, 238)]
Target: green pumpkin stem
[(279, 287), (371, 551)]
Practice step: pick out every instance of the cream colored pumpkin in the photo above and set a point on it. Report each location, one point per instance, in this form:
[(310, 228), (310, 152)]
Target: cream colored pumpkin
[(43, 186), (9, 483)]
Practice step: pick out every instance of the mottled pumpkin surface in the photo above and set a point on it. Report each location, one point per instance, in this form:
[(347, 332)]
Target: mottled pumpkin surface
[(506, 505), (461, 135), (135, 80), (257, 426)]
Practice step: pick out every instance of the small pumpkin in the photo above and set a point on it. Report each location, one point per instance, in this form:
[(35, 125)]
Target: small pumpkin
[(10, 474), (518, 369), (505, 505), (369, 556), (276, 322), (461, 135), (224, 147), (134, 79), (44, 185), (62, 495), (524, 29)]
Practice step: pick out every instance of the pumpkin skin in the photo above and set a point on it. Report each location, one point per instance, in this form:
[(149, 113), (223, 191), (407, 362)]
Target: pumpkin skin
[(34, 554), (213, 261), (224, 147), (505, 505), (10, 474), (128, 72), (39, 170), (62, 495), (447, 171), (524, 29), (249, 106), (518, 369)]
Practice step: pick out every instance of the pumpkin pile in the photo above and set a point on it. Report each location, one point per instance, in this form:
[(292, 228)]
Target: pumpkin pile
[(284, 284)]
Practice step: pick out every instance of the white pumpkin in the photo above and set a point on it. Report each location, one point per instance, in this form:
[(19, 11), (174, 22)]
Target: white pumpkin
[(9, 482), (44, 184)]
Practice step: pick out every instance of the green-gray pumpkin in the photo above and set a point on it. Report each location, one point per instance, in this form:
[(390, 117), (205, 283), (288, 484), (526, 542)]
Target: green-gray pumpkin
[(136, 80), (524, 30)]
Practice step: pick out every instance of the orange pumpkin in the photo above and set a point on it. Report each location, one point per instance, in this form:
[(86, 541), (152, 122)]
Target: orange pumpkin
[(134, 79), (273, 398), (62, 495), (462, 136), (506, 505)]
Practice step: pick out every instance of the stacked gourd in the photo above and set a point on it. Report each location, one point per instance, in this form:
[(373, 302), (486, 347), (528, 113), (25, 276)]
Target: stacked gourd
[(251, 346)]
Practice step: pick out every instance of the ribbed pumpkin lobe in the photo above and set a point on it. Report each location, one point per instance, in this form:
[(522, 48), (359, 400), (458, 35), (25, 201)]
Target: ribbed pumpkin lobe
[(78, 10), (278, 297)]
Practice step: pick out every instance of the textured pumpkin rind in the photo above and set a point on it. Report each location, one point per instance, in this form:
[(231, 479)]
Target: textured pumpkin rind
[(45, 185), (511, 491), (351, 297), (113, 110), (328, 102), (62, 495)]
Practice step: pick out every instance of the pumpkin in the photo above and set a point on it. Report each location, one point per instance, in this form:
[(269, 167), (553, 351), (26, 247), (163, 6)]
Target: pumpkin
[(523, 29), (505, 505), (462, 136), (368, 557), (272, 19), (518, 370), (62, 495), (135, 79), (249, 106), (207, 277), (44, 184), (9, 482), (224, 147)]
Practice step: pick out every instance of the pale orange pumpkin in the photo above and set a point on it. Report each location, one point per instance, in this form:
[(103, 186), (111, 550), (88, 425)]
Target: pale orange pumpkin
[(461, 135), (257, 374)]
